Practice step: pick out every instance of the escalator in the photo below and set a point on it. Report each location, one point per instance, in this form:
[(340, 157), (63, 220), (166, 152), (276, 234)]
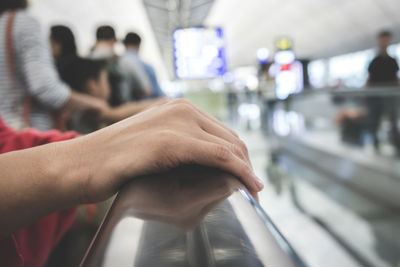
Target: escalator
[(338, 178), (188, 217)]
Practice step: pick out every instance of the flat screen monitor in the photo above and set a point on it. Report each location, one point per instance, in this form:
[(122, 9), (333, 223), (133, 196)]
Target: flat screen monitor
[(199, 53)]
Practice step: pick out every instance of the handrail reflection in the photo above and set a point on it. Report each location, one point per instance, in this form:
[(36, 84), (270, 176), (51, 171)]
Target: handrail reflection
[(188, 217)]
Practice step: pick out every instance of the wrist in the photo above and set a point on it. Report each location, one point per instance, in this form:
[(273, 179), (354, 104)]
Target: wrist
[(67, 169), (84, 165)]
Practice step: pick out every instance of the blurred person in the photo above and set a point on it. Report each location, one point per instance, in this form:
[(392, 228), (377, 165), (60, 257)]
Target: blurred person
[(266, 86), (137, 84), (31, 91), (105, 43), (39, 185), (63, 46), (132, 44), (232, 101), (104, 49), (266, 94), (383, 69), (383, 73), (87, 77), (91, 77)]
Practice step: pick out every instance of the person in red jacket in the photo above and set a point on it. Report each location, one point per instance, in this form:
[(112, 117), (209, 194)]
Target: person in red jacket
[(32, 245), (38, 186)]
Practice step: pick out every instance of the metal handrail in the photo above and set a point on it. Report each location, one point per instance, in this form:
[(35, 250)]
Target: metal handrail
[(191, 216), (365, 91)]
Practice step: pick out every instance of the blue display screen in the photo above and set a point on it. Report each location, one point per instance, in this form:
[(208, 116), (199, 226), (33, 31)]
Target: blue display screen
[(199, 53)]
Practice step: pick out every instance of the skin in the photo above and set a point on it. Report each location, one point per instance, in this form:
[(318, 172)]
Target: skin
[(133, 47), (97, 92), (78, 101), (109, 44), (55, 48), (100, 88), (38, 181), (383, 44)]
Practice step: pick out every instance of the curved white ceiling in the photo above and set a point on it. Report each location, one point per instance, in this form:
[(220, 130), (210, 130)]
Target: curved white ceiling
[(84, 16), (319, 28)]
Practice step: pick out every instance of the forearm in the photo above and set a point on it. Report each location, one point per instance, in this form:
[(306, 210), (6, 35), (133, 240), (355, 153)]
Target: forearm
[(33, 184), (78, 101), (147, 91), (91, 168)]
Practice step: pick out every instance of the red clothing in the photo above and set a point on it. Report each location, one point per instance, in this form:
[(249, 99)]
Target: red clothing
[(32, 246)]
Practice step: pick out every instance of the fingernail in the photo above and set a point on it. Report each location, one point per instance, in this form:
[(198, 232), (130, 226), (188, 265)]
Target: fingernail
[(259, 183)]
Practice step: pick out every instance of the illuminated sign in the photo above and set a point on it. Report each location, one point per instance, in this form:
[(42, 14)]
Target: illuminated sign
[(199, 53), (263, 55), (289, 80), (285, 57), (284, 44), (289, 71)]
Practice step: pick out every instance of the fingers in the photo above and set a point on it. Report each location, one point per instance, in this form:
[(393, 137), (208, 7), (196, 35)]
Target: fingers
[(214, 144), (219, 156), (221, 132), (212, 126), (238, 151), (202, 114), (211, 118), (255, 195)]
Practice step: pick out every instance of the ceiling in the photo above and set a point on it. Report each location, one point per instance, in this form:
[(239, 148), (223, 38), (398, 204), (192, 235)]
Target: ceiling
[(84, 16), (319, 28), (167, 15)]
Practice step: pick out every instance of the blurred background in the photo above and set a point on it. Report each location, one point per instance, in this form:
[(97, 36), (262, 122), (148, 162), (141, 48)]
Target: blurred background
[(311, 86)]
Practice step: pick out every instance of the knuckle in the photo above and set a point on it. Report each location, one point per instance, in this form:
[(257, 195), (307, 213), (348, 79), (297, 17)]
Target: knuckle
[(182, 101), (243, 147), (222, 153), (236, 149), (183, 108)]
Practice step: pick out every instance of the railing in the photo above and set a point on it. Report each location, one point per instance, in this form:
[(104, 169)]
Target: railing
[(348, 91), (343, 144), (188, 217)]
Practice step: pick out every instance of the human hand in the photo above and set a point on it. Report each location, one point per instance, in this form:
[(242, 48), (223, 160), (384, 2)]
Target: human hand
[(156, 140), (80, 101)]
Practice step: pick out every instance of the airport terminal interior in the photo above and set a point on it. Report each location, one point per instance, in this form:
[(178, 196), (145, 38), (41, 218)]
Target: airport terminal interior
[(311, 87)]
